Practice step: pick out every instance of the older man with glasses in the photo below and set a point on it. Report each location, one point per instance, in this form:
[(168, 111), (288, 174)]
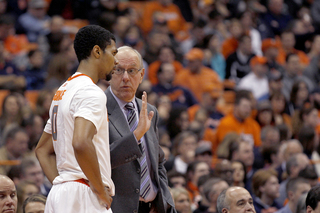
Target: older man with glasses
[(136, 158)]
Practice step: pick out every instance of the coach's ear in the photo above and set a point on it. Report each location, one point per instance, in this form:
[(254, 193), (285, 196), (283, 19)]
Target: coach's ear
[(96, 51), (224, 210), (142, 74)]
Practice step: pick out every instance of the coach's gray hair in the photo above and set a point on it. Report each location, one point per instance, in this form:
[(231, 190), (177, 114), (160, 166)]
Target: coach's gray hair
[(134, 50), (221, 202)]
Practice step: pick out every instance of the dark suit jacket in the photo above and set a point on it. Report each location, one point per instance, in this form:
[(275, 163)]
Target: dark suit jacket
[(125, 167)]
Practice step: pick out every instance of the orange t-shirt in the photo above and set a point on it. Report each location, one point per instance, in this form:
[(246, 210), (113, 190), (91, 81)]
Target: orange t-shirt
[(281, 59), (249, 129), (172, 14), (198, 82), (229, 46), (154, 67)]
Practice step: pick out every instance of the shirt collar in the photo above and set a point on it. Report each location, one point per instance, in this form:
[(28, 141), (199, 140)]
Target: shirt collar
[(122, 103)]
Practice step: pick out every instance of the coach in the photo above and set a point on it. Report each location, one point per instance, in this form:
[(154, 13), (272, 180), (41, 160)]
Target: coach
[(136, 158)]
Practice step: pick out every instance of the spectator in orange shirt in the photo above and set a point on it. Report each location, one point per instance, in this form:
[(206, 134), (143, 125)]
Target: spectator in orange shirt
[(230, 45), (288, 41), (240, 121), (172, 14), (166, 55), (197, 77)]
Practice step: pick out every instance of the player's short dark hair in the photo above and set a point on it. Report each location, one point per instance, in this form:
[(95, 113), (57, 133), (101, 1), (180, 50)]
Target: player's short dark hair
[(89, 36), (313, 197)]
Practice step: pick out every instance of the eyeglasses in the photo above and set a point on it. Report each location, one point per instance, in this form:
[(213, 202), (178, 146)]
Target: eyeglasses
[(131, 72)]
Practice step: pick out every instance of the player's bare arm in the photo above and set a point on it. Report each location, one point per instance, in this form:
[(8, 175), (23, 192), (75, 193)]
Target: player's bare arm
[(144, 119), (46, 156), (86, 156)]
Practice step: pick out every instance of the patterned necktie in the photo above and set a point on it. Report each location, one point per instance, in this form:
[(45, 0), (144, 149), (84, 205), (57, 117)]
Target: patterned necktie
[(145, 177)]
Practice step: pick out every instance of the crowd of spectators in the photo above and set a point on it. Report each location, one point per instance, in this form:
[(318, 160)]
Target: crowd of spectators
[(235, 82)]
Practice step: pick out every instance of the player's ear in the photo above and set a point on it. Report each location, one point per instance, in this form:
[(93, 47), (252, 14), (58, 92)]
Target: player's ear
[(96, 51)]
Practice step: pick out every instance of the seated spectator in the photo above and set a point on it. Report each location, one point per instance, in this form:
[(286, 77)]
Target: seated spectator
[(223, 170), (25, 189), (231, 44), (172, 15), (279, 115), (239, 173), (238, 63), (11, 77), (299, 95), (229, 200), (178, 121), (270, 48), (9, 195), (213, 57), (312, 71), (224, 147), (196, 77), (11, 113), (179, 96), (270, 137), (176, 179), (310, 174), (275, 82), (240, 121), (34, 74), (184, 146), (265, 187), (256, 81), (58, 71), (181, 200), (309, 141), (16, 146), (247, 22), (243, 151), (294, 165), (34, 203), (166, 55), (35, 21), (32, 171), (307, 116), (195, 170), (293, 74), (264, 114), (288, 42), (204, 153), (275, 20), (295, 188), (212, 189)]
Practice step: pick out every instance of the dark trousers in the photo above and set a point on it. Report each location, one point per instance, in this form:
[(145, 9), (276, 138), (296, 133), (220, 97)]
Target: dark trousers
[(144, 207)]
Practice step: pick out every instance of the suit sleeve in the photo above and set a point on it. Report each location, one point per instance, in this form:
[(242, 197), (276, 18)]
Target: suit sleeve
[(123, 150), (166, 195)]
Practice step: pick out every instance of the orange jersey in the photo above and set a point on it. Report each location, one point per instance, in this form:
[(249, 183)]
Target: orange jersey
[(154, 67), (249, 129), (197, 83)]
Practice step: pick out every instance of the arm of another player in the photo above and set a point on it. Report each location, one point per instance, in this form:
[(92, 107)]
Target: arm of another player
[(85, 153), (46, 156)]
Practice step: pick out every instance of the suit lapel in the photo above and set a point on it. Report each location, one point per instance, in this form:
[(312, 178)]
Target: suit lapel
[(116, 117)]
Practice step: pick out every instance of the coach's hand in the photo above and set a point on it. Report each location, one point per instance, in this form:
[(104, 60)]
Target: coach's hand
[(144, 119)]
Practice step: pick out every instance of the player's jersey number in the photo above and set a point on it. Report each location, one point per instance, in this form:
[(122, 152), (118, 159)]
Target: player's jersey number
[(54, 122)]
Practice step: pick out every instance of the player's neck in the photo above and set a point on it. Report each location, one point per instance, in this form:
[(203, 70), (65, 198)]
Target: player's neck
[(88, 69)]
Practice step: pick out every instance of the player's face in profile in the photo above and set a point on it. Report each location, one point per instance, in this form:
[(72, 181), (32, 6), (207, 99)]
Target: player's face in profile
[(109, 60)]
